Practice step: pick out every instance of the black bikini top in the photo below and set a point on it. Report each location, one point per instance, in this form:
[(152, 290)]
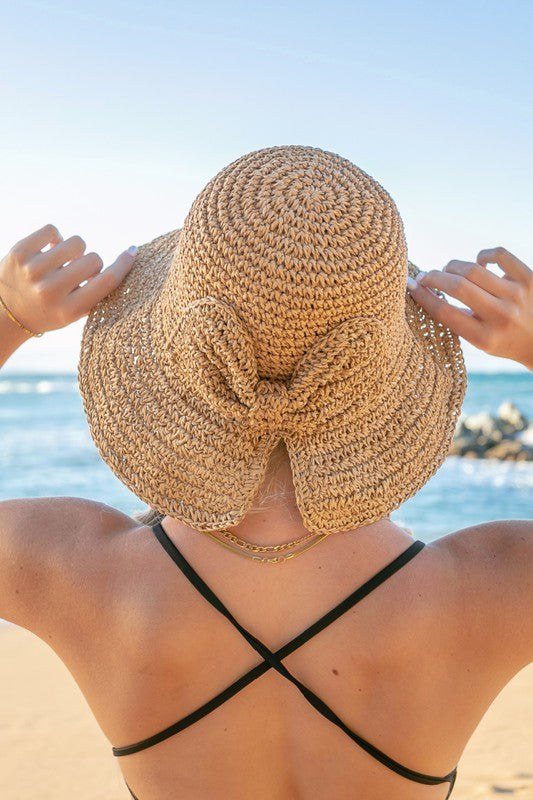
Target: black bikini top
[(274, 661)]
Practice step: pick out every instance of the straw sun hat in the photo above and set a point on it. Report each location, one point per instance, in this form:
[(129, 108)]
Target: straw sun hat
[(278, 310)]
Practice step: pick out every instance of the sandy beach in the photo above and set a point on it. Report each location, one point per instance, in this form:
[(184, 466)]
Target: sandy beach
[(53, 749)]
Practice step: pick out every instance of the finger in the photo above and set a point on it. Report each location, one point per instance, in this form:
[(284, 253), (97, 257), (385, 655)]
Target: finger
[(462, 323), (35, 242), (62, 253), (482, 303), (83, 298), (79, 270), (482, 277), (510, 264)]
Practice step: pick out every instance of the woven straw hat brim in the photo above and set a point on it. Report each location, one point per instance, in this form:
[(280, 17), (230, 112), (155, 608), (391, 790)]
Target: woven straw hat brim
[(170, 450)]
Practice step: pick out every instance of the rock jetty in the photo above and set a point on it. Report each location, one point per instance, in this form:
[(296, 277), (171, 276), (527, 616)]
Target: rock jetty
[(507, 436)]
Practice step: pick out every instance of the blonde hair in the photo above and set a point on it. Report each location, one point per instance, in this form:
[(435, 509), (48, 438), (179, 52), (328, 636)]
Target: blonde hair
[(273, 491)]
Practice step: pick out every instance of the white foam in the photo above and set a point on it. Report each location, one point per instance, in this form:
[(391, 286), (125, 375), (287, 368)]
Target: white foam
[(526, 436), (493, 473), (14, 386)]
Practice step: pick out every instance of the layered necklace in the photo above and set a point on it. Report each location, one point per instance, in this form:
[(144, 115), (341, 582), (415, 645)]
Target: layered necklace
[(252, 551)]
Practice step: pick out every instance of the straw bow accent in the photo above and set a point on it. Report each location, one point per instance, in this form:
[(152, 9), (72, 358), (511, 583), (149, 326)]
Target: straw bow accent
[(277, 310), (213, 353), (271, 409)]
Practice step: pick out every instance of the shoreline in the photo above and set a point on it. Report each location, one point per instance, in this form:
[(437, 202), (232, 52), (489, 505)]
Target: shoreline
[(51, 744)]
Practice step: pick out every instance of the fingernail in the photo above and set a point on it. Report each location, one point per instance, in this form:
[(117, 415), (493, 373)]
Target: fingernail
[(420, 276), (133, 250), (411, 284)]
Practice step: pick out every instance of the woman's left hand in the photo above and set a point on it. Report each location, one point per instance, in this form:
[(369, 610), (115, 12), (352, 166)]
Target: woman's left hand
[(499, 319), (42, 289)]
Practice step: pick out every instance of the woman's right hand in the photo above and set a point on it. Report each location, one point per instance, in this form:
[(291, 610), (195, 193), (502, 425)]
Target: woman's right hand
[(499, 317), (42, 287)]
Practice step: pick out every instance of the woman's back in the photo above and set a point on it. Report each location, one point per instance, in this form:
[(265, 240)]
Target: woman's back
[(281, 312), (411, 668)]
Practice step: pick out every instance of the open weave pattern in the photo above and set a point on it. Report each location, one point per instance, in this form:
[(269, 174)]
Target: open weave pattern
[(278, 310)]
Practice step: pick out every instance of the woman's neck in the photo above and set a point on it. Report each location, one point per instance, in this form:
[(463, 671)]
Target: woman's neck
[(282, 523), (274, 517)]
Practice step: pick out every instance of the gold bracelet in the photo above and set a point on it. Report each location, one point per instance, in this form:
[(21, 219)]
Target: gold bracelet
[(10, 315)]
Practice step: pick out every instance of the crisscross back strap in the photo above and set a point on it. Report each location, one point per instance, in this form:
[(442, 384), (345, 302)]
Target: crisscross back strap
[(273, 660)]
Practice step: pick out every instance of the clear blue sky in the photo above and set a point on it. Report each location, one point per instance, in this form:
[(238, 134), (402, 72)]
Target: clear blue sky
[(115, 114)]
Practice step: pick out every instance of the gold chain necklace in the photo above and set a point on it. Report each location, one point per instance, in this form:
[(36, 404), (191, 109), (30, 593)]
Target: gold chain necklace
[(274, 548), (240, 546), (265, 548)]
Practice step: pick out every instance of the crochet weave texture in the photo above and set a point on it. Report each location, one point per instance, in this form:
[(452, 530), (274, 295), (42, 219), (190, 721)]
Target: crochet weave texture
[(278, 310)]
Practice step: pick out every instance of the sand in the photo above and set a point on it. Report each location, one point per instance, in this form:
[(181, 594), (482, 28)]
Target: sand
[(52, 748)]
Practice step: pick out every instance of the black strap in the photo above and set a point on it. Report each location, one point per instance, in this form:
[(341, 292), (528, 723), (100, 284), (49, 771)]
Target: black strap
[(450, 790), (273, 659), (264, 666), (134, 797), (453, 773)]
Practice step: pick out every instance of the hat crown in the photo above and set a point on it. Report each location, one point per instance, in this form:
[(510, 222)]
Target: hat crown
[(279, 309), (296, 239)]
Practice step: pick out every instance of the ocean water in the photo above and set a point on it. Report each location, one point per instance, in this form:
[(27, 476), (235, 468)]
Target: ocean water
[(46, 450)]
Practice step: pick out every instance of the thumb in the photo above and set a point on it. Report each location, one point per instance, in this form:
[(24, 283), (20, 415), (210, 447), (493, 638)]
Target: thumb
[(120, 267), (104, 282), (126, 258), (124, 262)]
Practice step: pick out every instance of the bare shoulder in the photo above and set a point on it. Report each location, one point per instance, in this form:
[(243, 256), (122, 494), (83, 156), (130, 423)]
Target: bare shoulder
[(491, 547), (486, 539), (52, 515), (39, 539), (492, 568)]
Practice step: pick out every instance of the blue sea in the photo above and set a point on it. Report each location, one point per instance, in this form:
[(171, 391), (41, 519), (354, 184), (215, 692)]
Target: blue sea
[(46, 449)]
